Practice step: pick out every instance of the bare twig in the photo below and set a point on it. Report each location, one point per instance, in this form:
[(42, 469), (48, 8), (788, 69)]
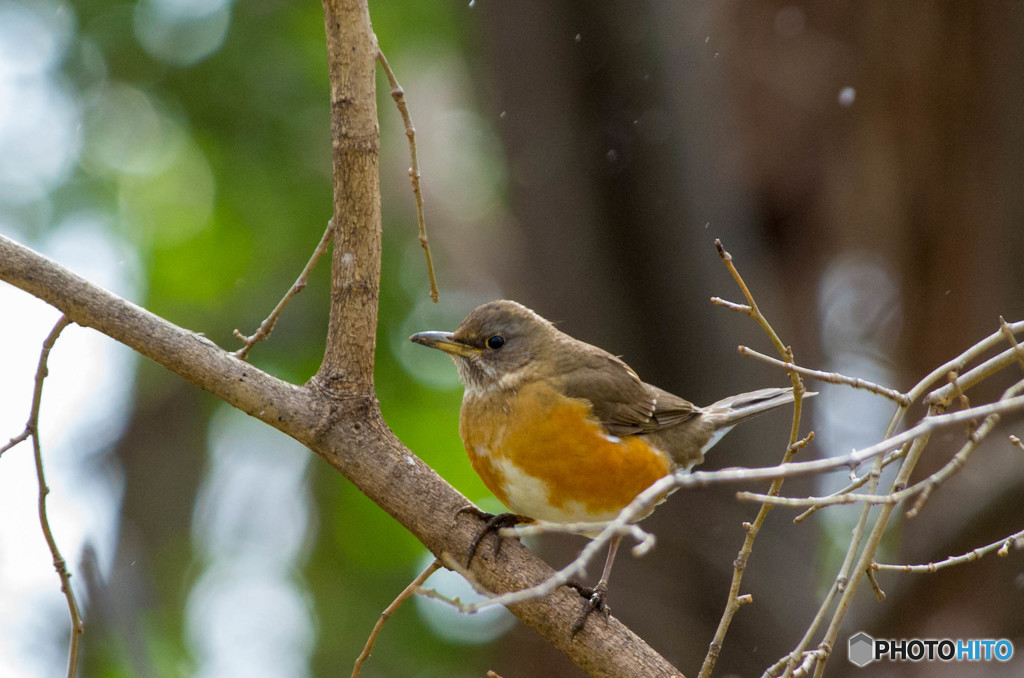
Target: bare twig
[(458, 568), (733, 601), (922, 429), (830, 377), (945, 395), (16, 440), (958, 393), (644, 540), (1014, 440), (1007, 332), (889, 458), (922, 489), (409, 590), (800, 662), (806, 661), (928, 485), (1000, 546), (267, 326), (879, 593), (739, 308), (956, 364), (1017, 541), (755, 313), (871, 541), (398, 94), (802, 443), (32, 430)]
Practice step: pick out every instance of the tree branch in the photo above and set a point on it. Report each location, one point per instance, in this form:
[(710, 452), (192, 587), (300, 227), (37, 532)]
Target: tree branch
[(59, 564), (350, 434), (355, 144)]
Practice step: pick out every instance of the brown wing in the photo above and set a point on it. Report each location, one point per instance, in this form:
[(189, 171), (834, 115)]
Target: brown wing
[(622, 402), (669, 410)]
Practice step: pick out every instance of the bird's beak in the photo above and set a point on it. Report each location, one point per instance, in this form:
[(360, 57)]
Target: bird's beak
[(445, 341)]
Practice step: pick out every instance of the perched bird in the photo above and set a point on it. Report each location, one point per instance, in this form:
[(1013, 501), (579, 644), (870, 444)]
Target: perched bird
[(563, 431)]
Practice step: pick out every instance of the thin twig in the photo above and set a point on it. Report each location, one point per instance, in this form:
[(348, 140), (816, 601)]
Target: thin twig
[(796, 670), (1014, 440), (409, 590), (644, 540), (755, 313), (871, 542), (953, 466), (1006, 331), (458, 568), (802, 443), (1000, 546), (830, 377), (398, 94), (16, 440), (879, 593), (59, 564), (794, 665), (739, 308), (923, 428), (267, 326), (945, 395), (733, 602), (889, 458), (959, 395), (644, 501), (922, 488), (955, 364)]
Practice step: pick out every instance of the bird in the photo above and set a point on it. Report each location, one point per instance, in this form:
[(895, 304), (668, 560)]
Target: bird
[(565, 432)]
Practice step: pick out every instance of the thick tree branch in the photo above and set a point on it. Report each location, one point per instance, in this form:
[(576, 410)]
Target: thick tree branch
[(355, 143), (350, 434)]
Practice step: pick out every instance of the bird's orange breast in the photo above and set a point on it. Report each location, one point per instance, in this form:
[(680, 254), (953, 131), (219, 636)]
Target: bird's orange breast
[(545, 456)]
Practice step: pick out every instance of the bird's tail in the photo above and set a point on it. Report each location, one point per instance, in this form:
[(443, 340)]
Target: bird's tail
[(730, 411)]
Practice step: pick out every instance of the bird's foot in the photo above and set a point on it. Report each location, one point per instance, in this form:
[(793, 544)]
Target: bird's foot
[(493, 523), (595, 599)]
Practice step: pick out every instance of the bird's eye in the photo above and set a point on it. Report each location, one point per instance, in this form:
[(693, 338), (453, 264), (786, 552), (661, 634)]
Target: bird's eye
[(496, 342)]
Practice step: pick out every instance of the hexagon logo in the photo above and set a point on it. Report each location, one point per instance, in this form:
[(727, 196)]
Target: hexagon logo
[(861, 650)]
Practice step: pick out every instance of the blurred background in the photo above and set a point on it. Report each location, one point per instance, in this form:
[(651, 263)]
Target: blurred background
[(862, 161)]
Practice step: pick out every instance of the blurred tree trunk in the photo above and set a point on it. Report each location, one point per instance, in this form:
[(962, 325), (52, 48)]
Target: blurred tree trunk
[(162, 455)]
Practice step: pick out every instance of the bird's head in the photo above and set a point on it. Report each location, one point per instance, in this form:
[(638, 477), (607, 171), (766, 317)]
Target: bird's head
[(498, 346)]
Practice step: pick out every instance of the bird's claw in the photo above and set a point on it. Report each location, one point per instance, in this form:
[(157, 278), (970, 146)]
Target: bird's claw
[(595, 599), (493, 523)]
